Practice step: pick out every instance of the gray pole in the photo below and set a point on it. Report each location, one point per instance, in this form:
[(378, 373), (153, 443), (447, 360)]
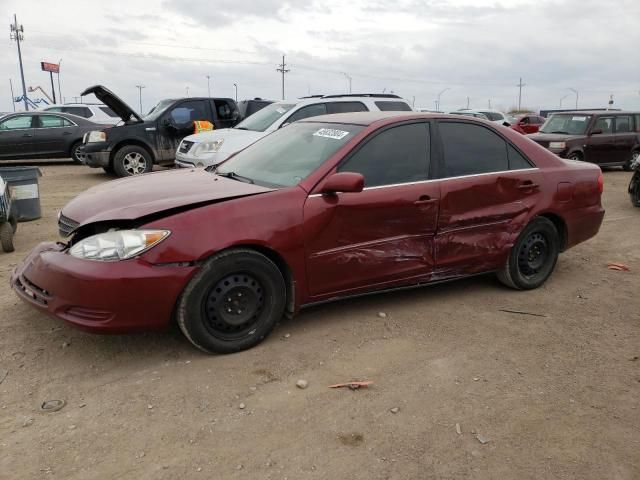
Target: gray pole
[(520, 85), (235, 85), (283, 71), (53, 89), (209, 85), (140, 87), (12, 97), (576, 92), (16, 34), (59, 89)]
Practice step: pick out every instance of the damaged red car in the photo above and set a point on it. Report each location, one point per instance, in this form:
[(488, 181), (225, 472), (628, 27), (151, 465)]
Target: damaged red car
[(322, 209)]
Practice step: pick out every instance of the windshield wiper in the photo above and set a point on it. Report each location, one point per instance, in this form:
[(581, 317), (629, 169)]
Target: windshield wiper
[(235, 176)]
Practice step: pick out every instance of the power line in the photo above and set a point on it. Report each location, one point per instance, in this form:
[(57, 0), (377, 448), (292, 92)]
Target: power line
[(17, 35), (282, 70)]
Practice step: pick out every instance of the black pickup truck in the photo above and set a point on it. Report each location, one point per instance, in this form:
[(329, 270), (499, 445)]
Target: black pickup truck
[(135, 145)]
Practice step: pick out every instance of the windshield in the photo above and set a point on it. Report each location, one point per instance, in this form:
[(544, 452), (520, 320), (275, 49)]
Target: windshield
[(263, 119), (493, 116), (158, 109), (572, 124), (288, 155)]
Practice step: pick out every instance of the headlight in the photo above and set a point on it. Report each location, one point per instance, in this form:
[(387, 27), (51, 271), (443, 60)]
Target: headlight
[(557, 144), (96, 136), (117, 245), (208, 147)]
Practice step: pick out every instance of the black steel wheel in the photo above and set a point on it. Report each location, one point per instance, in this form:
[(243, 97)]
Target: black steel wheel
[(533, 256), (233, 302)]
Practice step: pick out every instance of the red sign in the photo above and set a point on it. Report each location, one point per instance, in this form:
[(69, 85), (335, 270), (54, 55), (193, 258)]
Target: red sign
[(50, 67)]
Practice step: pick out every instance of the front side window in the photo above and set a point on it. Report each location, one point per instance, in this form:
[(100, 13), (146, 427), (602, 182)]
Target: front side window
[(398, 155), (263, 119), (623, 124), (53, 121), (566, 124), (605, 124), (307, 112), (472, 149), (17, 123), (289, 155), (393, 106)]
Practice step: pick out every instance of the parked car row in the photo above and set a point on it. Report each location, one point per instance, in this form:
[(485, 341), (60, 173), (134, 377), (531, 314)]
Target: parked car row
[(326, 208)]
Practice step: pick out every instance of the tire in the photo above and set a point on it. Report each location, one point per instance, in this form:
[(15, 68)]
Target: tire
[(242, 279), (77, 156), (574, 156), (533, 257), (132, 160), (634, 156), (634, 191), (14, 223), (6, 237)]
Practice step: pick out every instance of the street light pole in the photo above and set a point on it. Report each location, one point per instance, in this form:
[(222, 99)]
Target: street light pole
[(576, 92), (439, 95), (348, 77), (235, 85), (562, 100), (140, 87), (59, 89), (208, 86), (187, 89), (520, 85)]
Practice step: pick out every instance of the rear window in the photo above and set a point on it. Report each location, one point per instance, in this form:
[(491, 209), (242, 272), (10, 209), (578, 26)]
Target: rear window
[(109, 112), (79, 111), (493, 116), (393, 106)]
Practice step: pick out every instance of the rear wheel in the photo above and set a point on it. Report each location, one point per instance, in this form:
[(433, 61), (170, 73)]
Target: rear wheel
[(132, 160), (233, 302), (77, 153), (634, 157), (634, 190), (574, 156), (533, 257), (6, 237)]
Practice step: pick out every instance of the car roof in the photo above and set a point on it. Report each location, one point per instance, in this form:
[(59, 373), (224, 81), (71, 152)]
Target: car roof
[(369, 118), (596, 112)]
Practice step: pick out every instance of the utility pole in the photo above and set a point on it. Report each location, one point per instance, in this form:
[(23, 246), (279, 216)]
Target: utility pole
[(282, 70), (348, 77), (520, 85), (208, 85), (13, 102), (17, 35), (235, 85), (59, 89), (140, 87)]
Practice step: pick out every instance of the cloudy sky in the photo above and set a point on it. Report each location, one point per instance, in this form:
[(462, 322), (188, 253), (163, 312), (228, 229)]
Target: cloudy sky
[(466, 50)]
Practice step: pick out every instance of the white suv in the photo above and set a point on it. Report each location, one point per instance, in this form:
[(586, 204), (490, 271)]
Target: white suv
[(210, 148), (95, 112), (494, 116)]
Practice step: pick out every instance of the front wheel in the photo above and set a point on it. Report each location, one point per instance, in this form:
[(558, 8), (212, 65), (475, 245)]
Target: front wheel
[(233, 302), (533, 257), (634, 158), (634, 190), (77, 153), (132, 160)]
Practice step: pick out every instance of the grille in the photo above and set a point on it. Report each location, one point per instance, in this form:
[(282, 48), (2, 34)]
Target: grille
[(32, 291), (185, 146), (66, 225)]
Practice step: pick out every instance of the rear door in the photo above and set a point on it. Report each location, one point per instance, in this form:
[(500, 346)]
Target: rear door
[(53, 134), (487, 190), (626, 138), (226, 113), (17, 137), (177, 122), (384, 234)]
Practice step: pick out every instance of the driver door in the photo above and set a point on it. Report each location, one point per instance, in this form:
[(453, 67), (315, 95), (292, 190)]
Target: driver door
[(383, 235), (17, 137)]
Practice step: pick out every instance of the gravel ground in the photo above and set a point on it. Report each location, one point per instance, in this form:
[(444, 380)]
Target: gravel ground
[(461, 389)]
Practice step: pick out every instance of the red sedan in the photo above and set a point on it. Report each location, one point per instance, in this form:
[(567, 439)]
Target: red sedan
[(322, 209)]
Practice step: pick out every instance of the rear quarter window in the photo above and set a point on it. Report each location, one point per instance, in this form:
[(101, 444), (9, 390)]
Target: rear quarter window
[(393, 106), (346, 107)]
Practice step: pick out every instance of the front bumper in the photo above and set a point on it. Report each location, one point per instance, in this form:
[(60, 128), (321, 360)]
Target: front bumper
[(190, 161), (101, 297), (97, 154)]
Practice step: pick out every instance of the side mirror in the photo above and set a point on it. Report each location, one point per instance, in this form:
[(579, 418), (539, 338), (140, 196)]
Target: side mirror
[(596, 131), (347, 182)]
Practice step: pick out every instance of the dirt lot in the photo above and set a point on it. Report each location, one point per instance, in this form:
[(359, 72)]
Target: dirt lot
[(555, 396)]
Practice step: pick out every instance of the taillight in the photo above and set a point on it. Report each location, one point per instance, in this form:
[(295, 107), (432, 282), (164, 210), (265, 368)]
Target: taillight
[(600, 183)]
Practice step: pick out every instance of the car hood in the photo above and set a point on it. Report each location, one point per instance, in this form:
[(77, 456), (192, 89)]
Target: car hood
[(140, 196), (111, 100), (552, 137), (233, 139)]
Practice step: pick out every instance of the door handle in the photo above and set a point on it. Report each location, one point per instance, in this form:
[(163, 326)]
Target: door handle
[(527, 185), (66, 133), (27, 135), (425, 200)]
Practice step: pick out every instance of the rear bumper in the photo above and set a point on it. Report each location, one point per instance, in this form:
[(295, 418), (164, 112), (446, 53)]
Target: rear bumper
[(583, 223), (101, 297)]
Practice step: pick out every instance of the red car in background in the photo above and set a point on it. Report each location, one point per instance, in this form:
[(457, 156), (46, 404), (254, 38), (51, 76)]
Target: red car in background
[(322, 209), (526, 123)]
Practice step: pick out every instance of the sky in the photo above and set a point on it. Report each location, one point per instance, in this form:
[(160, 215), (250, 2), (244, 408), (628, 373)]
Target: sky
[(467, 52)]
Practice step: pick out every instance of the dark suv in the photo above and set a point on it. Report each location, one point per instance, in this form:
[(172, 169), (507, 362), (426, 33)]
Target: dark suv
[(249, 107), (134, 146), (607, 138)]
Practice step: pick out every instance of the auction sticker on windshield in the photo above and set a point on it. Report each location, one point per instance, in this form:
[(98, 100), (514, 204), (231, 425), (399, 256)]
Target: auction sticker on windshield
[(578, 119), (331, 133)]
